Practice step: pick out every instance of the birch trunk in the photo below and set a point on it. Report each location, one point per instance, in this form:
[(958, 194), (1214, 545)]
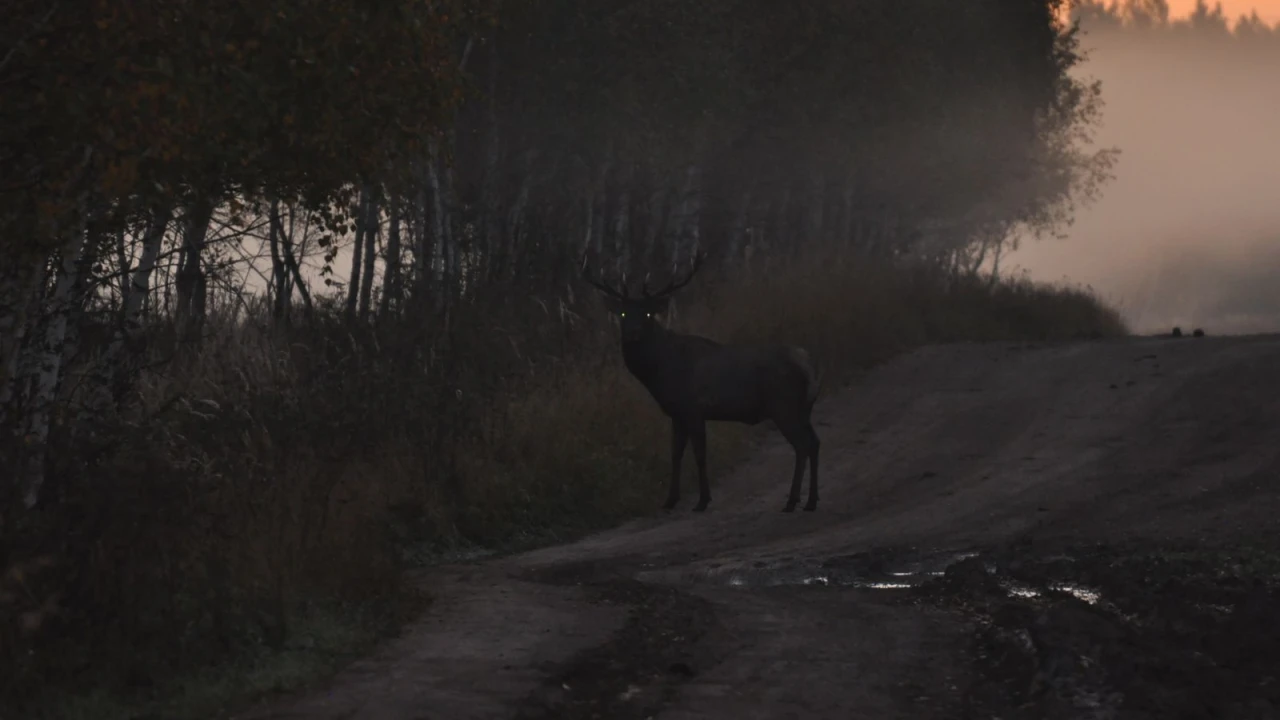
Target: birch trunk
[(371, 223), (448, 206), (656, 225), (49, 368), (357, 257), (279, 271), (817, 210), (600, 203), (588, 235), (847, 238), (131, 321), (489, 183), (18, 285), (140, 282), (742, 216), (438, 223), (693, 220), (190, 282), (291, 261), (621, 233), (391, 271), (123, 267), (515, 216), (421, 252)]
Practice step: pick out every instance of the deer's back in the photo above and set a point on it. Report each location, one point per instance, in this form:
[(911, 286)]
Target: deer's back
[(740, 383)]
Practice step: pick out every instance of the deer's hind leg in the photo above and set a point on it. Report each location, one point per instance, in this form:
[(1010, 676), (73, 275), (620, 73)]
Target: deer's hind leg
[(679, 438), (799, 432), (796, 436), (811, 438), (698, 433)]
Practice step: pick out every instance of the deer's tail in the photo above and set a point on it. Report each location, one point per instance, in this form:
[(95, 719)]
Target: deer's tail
[(813, 379)]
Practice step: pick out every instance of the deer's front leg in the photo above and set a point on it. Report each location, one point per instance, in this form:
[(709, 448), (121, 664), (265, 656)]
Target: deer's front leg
[(679, 437), (699, 432)]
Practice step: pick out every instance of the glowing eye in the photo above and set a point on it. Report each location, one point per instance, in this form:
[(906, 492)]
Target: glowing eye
[(622, 314), (648, 314)]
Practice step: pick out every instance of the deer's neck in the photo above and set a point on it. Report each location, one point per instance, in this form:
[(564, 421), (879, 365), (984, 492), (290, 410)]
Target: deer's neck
[(644, 359)]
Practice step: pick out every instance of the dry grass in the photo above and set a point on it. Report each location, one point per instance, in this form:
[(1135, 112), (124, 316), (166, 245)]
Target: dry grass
[(275, 499)]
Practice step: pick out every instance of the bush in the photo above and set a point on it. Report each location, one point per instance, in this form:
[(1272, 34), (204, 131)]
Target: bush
[(260, 502)]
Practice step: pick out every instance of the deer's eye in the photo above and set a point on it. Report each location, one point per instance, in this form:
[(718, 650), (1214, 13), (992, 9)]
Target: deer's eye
[(622, 314)]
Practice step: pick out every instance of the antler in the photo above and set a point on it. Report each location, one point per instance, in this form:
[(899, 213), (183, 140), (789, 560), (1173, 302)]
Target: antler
[(600, 286), (675, 285)]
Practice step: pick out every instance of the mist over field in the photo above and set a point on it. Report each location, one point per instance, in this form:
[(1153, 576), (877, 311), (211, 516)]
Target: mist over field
[(1188, 232)]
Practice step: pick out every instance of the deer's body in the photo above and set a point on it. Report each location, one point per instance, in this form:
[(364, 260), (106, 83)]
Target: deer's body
[(695, 380)]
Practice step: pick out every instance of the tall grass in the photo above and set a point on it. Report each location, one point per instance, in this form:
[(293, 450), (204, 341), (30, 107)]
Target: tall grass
[(259, 499)]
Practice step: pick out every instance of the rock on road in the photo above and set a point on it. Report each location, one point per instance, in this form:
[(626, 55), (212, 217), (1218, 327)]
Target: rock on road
[(736, 613)]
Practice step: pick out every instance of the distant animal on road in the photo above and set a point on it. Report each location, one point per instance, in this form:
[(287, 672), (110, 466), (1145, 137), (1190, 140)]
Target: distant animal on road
[(695, 379)]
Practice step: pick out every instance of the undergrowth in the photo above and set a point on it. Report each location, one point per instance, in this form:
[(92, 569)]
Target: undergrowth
[(245, 525)]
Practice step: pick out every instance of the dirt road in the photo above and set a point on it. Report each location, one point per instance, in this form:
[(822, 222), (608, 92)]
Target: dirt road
[(1014, 531)]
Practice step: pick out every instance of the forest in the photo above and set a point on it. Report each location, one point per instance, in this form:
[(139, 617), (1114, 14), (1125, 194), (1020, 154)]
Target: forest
[(291, 296)]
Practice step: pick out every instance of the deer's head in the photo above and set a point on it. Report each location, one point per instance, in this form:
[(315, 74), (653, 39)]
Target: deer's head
[(638, 315)]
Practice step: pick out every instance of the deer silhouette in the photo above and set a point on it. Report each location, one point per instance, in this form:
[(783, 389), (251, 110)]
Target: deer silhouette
[(695, 380)]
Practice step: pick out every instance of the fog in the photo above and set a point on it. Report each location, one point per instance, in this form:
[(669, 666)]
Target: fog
[(1188, 232)]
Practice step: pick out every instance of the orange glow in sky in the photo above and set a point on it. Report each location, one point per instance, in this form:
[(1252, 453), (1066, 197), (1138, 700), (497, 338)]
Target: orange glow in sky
[(1268, 10)]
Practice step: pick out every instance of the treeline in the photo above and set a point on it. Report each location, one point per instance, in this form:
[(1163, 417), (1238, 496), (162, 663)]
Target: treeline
[(290, 284), (1153, 17)]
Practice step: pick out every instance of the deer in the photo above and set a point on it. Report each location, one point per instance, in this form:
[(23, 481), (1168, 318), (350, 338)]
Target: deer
[(696, 380)]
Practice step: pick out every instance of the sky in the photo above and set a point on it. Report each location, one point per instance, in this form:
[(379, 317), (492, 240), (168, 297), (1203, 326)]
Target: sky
[(1268, 10)]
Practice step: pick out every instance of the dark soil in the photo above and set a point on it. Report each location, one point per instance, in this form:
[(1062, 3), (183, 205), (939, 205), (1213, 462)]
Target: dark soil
[(639, 669), (1172, 633)]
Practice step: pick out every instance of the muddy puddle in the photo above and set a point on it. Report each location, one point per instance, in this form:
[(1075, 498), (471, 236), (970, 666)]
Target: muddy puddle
[(1089, 632), (889, 570), (874, 570)]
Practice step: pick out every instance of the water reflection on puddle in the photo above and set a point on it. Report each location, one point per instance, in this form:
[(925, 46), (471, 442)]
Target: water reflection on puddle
[(872, 571), (1088, 595), (864, 570)]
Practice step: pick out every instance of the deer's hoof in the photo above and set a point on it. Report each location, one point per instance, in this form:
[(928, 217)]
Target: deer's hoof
[(810, 506), (670, 504), (791, 507), (700, 507)]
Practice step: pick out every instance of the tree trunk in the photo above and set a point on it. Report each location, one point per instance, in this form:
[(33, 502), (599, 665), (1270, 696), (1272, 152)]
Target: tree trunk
[(421, 250), (515, 217), (279, 271), (489, 183), (191, 283), (291, 261), (846, 231), (391, 271), (741, 218), (112, 370), (122, 267), (655, 227), (357, 256), (19, 283), (49, 367), (438, 220), (817, 209), (371, 223), (622, 232)]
